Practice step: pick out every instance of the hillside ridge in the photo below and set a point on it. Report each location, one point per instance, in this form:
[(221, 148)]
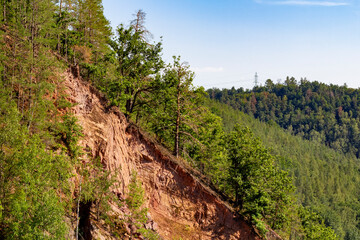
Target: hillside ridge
[(179, 204)]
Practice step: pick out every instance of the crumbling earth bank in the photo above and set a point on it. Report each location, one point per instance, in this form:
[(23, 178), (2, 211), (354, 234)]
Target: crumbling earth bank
[(179, 205)]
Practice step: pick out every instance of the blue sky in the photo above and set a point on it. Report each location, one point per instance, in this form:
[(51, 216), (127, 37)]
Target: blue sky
[(227, 41)]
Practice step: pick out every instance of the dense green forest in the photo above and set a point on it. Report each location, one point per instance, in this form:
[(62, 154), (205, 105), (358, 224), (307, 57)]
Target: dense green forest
[(328, 114), (325, 180), (323, 115), (43, 181)]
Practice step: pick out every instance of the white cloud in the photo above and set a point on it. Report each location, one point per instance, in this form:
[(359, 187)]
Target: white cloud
[(306, 3), (207, 69)]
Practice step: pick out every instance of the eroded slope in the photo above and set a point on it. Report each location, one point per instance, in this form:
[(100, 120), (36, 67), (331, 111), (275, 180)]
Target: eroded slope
[(178, 203)]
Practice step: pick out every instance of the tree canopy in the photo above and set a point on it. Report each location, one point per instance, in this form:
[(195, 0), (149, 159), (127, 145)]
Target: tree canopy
[(39, 152)]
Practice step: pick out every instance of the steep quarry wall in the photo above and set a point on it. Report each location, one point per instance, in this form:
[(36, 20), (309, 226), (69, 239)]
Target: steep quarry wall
[(180, 206)]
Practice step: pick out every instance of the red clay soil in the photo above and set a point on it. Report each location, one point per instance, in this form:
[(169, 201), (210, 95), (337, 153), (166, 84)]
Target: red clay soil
[(181, 206)]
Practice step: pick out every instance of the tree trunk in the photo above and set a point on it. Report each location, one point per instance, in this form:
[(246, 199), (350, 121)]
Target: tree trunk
[(4, 12), (177, 126), (58, 36)]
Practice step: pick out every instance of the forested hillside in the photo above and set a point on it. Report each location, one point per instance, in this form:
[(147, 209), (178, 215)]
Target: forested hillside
[(40, 160), (322, 115), (328, 114), (326, 180), (47, 179)]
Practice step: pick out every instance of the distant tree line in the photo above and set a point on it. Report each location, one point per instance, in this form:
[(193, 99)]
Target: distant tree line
[(329, 114)]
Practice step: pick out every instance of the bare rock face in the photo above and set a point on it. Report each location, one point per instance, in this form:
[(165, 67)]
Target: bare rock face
[(179, 205)]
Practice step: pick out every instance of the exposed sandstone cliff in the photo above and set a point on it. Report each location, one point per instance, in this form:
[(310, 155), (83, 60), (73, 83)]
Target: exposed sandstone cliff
[(179, 204)]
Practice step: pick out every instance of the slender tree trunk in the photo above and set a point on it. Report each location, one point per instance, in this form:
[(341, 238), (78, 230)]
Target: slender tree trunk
[(177, 126), (237, 197), (129, 103), (30, 75), (127, 108), (66, 44), (4, 12), (58, 44), (90, 26)]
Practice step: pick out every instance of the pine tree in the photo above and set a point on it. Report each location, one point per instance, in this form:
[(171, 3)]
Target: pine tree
[(138, 63), (93, 25), (178, 106)]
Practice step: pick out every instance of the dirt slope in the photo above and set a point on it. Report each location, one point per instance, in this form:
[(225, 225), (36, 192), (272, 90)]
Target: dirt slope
[(180, 206)]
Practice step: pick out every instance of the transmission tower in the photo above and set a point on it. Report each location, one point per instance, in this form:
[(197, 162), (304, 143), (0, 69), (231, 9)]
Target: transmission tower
[(256, 79)]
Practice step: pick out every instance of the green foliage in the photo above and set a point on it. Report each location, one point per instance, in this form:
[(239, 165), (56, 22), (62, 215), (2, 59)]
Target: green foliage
[(35, 168), (136, 198), (325, 180), (314, 227), (324, 113), (148, 234), (175, 112), (208, 153), (260, 225), (91, 22), (135, 201), (175, 107), (34, 172), (95, 188), (82, 31), (259, 188), (31, 181), (231, 162), (70, 132), (137, 63)]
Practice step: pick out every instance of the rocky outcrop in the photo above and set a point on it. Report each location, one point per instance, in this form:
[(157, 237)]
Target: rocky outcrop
[(180, 206)]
